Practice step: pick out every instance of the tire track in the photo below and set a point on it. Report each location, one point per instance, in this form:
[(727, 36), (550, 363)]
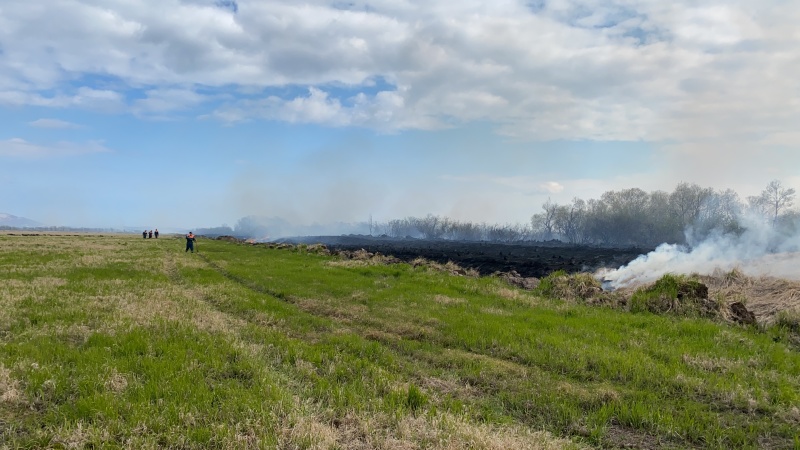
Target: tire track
[(243, 282)]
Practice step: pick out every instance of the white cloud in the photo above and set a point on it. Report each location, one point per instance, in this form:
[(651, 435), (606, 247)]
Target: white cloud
[(20, 148), (381, 111), (53, 123), (553, 187), (716, 25), (101, 100), (572, 69), (163, 101)]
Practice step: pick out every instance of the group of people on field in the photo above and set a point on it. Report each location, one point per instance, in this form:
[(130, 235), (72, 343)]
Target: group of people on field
[(190, 238)]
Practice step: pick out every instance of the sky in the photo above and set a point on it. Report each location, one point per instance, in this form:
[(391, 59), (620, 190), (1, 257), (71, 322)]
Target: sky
[(190, 113)]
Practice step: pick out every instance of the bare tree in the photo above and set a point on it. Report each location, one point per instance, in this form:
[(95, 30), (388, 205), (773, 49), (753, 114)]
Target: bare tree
[(466, 231), (774, 199), (568, 220), (431, 227), (661, 225), (720, 211), (687, 201), (402, 227), (626, 215), (545, 222)]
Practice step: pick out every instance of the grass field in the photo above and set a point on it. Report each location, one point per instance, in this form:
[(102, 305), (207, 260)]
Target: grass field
[(116, 341)]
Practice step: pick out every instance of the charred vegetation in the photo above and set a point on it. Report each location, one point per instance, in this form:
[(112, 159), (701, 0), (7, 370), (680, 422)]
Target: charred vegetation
[(528, 259)]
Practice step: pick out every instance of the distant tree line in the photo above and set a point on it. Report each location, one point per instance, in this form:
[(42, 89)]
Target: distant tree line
[(635, 217), (628, 217), (436, 227)]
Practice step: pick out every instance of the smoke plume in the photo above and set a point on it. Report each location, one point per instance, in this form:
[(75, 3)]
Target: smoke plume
[(760, 249)]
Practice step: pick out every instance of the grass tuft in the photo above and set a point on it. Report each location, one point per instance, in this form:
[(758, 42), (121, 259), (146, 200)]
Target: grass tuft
[(675, 294), (570, 287)]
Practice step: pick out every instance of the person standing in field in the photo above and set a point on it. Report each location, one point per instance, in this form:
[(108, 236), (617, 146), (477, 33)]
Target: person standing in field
[(150, 236), (190, 239), (144, 234), (156, 233)]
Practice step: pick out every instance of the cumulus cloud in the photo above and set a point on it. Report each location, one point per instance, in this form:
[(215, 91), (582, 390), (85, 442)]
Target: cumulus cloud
[(382, 111), (573, 69), (20, 148)]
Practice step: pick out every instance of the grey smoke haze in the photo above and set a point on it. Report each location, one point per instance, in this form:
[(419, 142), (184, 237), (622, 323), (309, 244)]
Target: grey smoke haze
[(271, 228), (760, 250)]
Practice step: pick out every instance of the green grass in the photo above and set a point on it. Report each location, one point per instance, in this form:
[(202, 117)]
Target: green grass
[(115, 341)]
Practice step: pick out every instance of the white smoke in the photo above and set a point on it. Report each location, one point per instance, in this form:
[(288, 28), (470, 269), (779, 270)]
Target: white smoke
[(761, 249)]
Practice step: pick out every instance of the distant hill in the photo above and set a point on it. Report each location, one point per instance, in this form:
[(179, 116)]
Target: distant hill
[(9, 220)]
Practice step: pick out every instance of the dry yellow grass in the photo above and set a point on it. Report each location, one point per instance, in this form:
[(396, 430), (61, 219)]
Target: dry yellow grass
[(449, 267), (351, 263), (412, 432), (116, 382), (574, 287), (710, 364), (9, 387), (590, 395), (445, 300), (790, 415), (448, 386), (512, 294), (323, 306), (495, 311), (765, 297)]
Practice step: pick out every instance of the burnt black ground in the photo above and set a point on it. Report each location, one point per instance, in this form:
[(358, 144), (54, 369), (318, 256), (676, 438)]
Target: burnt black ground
[(529, 259)]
